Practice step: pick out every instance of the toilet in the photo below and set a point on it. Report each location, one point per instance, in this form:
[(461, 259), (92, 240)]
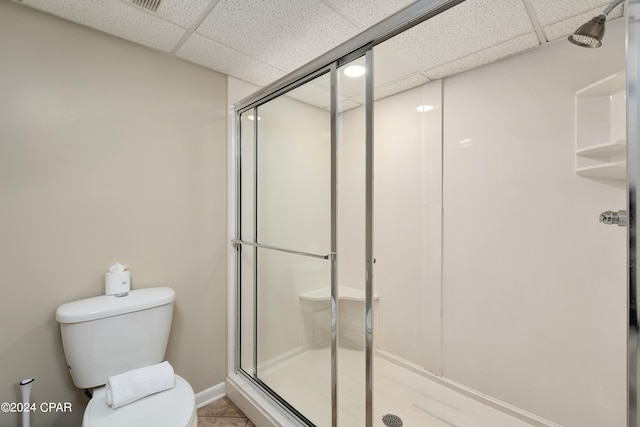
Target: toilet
[(108, 335)]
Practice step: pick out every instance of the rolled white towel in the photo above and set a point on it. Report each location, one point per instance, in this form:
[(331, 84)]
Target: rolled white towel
[(130, 386)]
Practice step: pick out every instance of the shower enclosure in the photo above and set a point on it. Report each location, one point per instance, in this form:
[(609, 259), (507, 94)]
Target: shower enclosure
[(424, 250)]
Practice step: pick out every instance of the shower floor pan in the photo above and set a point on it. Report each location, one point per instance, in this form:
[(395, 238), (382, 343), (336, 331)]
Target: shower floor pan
[(304, 381)]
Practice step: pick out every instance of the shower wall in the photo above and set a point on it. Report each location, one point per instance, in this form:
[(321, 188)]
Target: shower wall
[(492, 270), (534, 288), (407, 220), (408, 225), (504, 282)]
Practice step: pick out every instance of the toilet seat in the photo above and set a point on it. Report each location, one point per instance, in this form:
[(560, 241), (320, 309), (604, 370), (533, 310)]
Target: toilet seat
[(170, 408)]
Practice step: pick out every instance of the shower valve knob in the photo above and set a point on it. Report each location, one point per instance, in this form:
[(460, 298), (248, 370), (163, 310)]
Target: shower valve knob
[(610, 217)]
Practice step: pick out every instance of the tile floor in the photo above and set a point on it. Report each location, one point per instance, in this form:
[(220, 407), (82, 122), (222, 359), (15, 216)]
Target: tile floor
[(222, 413)]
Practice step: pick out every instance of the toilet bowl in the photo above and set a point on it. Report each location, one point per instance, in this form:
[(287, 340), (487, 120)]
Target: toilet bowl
[(171, 408), (107, 335)]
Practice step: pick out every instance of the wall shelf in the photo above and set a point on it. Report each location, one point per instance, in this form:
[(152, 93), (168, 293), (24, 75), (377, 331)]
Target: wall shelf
[(604, 151), (610, 170), (601, 129)]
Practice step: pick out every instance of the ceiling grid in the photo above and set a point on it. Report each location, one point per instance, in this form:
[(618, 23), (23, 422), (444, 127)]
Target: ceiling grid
[(261, 41)]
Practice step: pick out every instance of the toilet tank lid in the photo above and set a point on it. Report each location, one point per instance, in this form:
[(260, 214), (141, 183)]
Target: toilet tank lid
[(103, 306)]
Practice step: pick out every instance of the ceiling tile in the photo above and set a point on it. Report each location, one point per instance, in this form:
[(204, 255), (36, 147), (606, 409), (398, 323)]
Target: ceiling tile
[(462, 30), (116, 18), (553, 11), (283, 33), (565, 27), (485, 56), (213, 55), (182, 12), (367, 12)]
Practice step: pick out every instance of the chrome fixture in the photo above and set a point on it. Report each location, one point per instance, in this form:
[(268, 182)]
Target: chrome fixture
[(591, 33), (619, 218)]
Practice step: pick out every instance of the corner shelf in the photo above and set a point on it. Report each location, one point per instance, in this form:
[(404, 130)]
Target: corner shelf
[(604, 151), (610, 170), (600, 129)]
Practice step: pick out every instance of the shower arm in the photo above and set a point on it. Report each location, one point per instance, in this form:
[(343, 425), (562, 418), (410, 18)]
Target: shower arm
[(611, 6)]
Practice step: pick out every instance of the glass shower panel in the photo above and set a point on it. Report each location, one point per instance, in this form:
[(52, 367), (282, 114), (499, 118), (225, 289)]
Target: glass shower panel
[(351, 79), (247, 230), (294, 331), (293, 262), (294, 169), (490, 294), (489, 312)]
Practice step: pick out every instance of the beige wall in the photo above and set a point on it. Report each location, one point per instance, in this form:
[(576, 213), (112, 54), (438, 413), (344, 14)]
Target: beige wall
[(108, 152)]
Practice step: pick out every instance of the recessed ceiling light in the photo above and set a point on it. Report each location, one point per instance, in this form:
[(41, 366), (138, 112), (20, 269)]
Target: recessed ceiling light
[(425, 108), (354, 71)]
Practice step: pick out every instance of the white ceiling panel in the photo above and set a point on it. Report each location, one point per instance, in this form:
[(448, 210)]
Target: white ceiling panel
[(463, 30), (259, 41), (213, 55), (565, 27), (553, 11), (364, 13), (283, 33), (182, 12), (116, 18), (485, 56)]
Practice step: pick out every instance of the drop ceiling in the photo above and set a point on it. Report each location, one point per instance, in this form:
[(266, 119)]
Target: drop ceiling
[(259, 41)]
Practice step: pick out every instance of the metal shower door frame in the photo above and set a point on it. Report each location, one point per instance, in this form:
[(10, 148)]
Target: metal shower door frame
[(632, 11), (365, 41), (360, 45)]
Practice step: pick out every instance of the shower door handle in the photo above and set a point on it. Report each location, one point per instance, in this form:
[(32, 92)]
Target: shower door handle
[(611, 217)]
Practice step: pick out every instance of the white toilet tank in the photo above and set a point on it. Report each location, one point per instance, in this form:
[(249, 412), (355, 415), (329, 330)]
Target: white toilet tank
[(107, 335)]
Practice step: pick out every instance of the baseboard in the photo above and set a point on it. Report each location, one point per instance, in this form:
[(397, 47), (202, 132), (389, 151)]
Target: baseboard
[(210, 395)]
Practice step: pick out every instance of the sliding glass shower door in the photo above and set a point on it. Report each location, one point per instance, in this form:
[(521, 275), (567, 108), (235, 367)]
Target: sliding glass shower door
[(491, 312), (302, 292), (287, 247)]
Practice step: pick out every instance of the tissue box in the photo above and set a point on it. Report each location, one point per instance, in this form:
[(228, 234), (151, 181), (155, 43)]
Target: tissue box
[(117, 283)]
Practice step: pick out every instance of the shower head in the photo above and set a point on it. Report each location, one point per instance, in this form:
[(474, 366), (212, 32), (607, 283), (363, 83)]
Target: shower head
[(591, 33)]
